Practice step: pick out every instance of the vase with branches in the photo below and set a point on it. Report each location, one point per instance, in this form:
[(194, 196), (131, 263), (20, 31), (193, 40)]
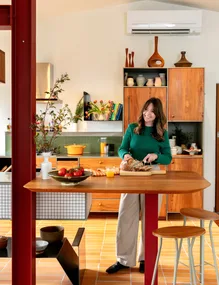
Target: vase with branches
[(46, 135)]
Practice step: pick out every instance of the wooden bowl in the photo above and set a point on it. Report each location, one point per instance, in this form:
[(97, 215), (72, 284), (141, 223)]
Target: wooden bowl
[(3, 242), (52, 233)]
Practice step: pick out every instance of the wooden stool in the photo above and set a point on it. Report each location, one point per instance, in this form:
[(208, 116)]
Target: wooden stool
[(178, 232), (203, 215)]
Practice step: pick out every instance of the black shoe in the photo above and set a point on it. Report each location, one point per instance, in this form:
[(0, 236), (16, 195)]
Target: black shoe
[(115, 267), (141, 266)]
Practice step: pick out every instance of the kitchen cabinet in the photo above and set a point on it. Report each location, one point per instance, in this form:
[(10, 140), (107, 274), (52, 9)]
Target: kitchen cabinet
[(134, 99), (185, 94), (183, 101), (195, 200), (2, 66)]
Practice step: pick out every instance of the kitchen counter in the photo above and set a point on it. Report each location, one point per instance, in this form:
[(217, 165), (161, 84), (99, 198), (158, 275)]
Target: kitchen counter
[(58, 206)]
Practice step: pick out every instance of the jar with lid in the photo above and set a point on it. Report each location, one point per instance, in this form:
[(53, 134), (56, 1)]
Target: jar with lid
[(103, 144), (130, 81)]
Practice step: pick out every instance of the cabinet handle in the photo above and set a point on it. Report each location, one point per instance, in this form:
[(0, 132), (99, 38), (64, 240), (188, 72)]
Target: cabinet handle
[(172, 162), (173, 116), (100, 204), (100, 162)]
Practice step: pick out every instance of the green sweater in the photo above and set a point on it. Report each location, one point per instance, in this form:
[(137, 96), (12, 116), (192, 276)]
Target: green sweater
[(138, 146)]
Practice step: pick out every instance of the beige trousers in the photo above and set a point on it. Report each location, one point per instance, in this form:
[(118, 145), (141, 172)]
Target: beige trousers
[(127, 228)]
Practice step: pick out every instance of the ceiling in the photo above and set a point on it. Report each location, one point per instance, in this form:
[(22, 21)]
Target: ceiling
[(56, 7), (201, 4)]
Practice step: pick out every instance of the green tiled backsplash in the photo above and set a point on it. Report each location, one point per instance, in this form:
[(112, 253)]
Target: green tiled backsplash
[(92, 143)]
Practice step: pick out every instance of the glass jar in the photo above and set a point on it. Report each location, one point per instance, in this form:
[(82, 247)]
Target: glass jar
[(103, 144)]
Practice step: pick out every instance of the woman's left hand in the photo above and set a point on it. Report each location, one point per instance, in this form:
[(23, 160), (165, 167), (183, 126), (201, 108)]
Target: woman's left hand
[(150, 157)]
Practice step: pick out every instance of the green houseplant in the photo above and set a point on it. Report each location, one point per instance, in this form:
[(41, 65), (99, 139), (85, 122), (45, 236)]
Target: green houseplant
[(46, 135)]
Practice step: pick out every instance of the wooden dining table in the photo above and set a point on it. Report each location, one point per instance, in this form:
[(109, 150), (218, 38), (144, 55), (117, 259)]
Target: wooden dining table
[(173, 182)]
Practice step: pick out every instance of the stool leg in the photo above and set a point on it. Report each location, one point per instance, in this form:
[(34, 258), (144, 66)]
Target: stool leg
[(177, 256), (202, 254), (156, 262), (213, 251), (191, 262)]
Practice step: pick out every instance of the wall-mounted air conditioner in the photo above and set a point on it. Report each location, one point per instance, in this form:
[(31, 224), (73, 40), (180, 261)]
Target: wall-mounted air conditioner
[(164, 22)]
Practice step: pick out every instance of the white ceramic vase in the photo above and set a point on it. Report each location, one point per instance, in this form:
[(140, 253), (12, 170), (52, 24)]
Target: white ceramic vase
[(46, 165), (74, 127), (140, 80)]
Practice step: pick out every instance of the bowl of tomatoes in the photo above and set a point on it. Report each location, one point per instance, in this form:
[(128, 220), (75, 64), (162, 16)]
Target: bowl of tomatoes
[(72, 176)]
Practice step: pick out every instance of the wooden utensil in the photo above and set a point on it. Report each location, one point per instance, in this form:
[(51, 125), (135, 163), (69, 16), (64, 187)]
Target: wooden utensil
[(3, 169), (141, 173), (9, 168), (156, 60)]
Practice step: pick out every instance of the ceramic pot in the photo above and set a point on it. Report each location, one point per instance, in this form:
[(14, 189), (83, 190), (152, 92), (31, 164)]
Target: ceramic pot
[(157, 82), (130, 81), (140, 80), (75, 149), (150, 82), (163, 79), (46, 165), (100, 117)]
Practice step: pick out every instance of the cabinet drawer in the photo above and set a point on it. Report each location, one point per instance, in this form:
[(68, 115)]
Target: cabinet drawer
[(100, 162), (105, 196), (39, 160), (105, 205), (67, 164)]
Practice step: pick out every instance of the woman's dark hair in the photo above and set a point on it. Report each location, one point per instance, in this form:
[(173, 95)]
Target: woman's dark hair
[(159, 122)]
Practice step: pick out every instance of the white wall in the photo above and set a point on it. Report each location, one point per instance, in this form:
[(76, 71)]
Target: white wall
[(90, 46)]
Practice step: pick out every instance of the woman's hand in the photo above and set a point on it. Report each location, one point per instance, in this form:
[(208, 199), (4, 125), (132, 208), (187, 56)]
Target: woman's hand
[(150, 157), (127, 157)]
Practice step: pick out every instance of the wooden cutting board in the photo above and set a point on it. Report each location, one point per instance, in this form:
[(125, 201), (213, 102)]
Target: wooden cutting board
[(141, 173)]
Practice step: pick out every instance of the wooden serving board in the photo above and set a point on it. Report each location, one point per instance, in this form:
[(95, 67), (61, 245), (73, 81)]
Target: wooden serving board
[(141, 173)]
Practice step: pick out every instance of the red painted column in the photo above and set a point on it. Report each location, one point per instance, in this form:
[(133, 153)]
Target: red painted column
[(151, 223), (23, 149)]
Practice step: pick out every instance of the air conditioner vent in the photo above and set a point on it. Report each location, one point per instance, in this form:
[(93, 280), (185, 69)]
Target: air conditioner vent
[(161, 31)]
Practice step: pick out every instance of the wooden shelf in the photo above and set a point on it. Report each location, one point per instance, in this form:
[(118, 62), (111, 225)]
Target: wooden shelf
[(45, 100)]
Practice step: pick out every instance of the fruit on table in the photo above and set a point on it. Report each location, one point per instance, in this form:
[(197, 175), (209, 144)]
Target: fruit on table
[(62, 171), (78, 171)]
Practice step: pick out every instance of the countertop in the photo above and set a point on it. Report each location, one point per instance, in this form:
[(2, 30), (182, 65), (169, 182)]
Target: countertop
[(5, 177)]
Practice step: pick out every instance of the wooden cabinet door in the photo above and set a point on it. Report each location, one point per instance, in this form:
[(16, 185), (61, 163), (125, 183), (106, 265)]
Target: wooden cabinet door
[(134, 99), (194, 200), (185, 94)]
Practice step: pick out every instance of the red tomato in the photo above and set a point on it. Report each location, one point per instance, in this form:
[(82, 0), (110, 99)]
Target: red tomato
[(81, 169), (68, 174), (77, 173), (71, 170), (62, 171)]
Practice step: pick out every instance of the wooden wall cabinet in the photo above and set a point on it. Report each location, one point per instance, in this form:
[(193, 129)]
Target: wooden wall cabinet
[(134, 99), (185, 94), (2, 66), (183, 101)]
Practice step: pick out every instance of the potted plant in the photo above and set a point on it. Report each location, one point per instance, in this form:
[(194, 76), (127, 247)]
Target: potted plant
[(46, 134), (78, 115), (100, 111)]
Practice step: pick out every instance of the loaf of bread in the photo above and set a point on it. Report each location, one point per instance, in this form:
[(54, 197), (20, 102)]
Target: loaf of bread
[(134, 165)]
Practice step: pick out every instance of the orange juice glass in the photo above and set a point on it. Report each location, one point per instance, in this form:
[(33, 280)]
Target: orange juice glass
[(110, 172)]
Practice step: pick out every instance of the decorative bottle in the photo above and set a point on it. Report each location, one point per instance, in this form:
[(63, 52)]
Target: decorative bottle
[(46, 165)]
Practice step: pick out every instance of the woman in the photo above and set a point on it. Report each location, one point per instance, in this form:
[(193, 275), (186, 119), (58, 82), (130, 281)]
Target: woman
[(146, 141)]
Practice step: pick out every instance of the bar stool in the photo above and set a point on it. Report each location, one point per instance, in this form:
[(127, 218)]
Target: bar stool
[(178, 232), (203, 215)]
